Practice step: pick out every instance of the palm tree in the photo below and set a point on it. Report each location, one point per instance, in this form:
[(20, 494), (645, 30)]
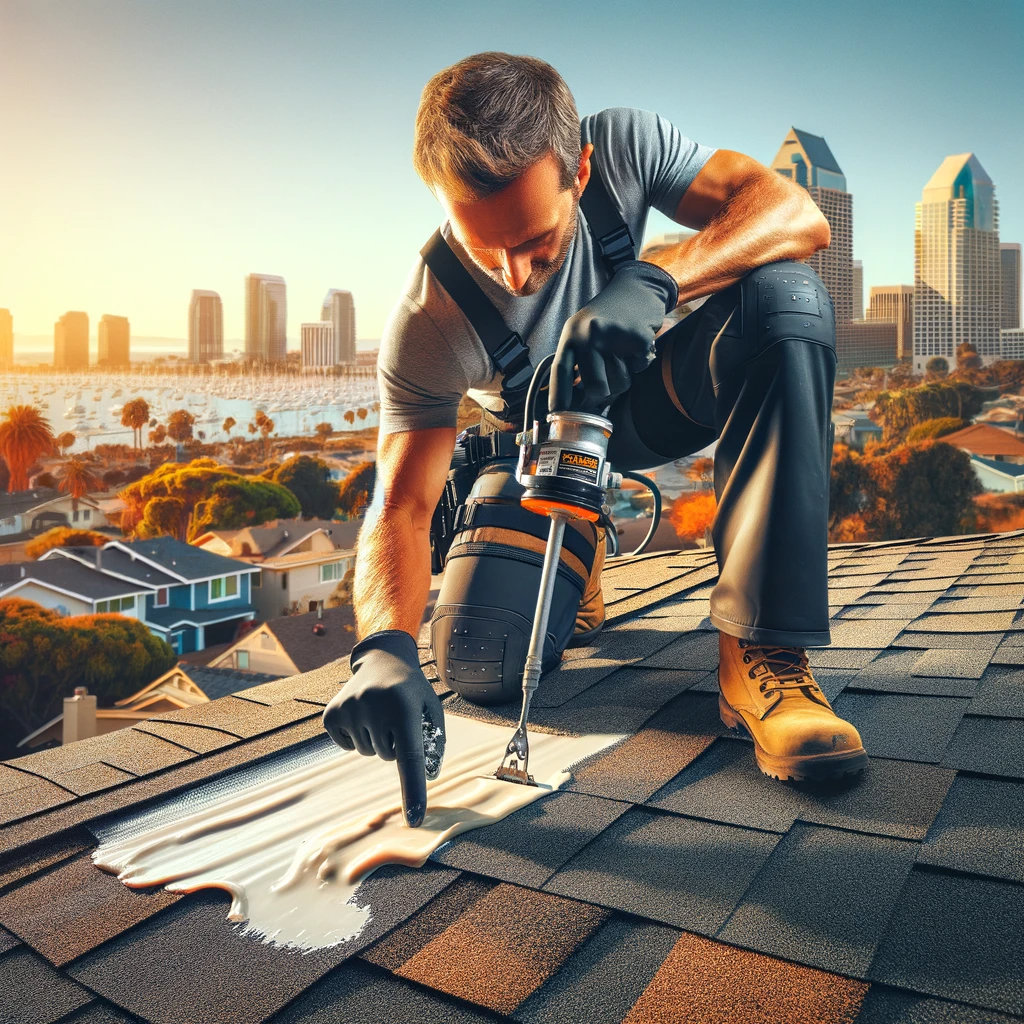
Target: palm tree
[(228, 424), (25, 435), (77, 479), (135, 414)]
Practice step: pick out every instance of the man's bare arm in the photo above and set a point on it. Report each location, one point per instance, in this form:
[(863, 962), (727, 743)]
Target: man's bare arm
[(746, 215), (392, 580)]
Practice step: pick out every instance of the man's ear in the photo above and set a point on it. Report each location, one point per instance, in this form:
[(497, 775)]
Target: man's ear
[(583, 170)]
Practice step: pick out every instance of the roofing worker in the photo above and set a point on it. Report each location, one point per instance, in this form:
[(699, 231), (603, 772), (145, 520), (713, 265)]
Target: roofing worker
[(500, 145)]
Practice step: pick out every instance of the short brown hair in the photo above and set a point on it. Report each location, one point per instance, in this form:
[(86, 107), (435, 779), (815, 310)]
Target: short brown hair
[(483, 121)]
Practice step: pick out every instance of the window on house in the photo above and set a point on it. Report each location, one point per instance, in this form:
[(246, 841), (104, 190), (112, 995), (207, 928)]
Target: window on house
[(75, 515), (333, 571), (115, 604), (257, 580), (223, 587), (241, 659), (87, 513), (284, 581), (161, 598)]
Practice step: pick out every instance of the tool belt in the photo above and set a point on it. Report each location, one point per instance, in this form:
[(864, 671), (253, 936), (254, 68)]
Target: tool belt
[(480, 627)]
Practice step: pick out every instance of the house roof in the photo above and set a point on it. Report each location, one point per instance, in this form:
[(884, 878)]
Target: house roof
[(117, 561), (15, 503), (1011, 469), (307, 650), (278, 537), (168, 618), (184, 560), (981, 439), (219, 682), (68, 576), (670, 880)]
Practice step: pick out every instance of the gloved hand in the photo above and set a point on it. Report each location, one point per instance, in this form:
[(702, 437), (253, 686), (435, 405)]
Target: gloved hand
[(381, 710), (612, 337)]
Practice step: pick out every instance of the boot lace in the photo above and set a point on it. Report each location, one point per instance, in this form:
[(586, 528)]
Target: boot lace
[(781, 670)]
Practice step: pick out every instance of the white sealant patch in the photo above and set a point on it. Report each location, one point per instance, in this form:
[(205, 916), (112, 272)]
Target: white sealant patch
[(293, 847)]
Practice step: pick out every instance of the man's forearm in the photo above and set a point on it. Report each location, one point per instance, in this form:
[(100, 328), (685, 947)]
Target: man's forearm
[(760, 223), (392, 581)]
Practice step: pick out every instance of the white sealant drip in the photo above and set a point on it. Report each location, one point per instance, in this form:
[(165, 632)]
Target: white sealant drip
[(292, 850)]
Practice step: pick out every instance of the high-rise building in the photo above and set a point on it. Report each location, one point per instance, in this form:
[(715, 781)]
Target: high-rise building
[(340, 309), (113, 341), (6, 338), (858, 290), (205, 327), (1009, 284), (956, 263), (806, 159), (317, 344), (894, 304), (71, 342), (266, 319)]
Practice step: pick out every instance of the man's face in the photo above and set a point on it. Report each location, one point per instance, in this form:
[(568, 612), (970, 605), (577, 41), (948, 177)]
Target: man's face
[(521, 235)]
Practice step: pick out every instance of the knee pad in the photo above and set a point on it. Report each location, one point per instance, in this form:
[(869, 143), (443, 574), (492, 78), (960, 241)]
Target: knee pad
[(791, 301), (482, 620)]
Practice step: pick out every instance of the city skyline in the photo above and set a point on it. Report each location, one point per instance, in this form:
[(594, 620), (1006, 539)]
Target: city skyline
[(187, 136)]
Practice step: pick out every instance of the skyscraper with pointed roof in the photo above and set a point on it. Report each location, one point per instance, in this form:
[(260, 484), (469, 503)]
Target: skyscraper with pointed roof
[(807, 160), (956, 263)]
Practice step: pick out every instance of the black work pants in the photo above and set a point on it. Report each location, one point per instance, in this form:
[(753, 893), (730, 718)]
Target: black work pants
[(754, 368)]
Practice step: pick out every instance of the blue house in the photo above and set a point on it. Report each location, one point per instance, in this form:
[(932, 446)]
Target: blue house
[(192, 598)]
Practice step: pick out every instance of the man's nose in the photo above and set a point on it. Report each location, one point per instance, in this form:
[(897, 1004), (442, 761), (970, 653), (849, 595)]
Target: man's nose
[(517, 270)]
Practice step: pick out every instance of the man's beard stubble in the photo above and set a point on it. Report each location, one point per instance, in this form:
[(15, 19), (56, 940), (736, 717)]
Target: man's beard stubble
[(542, 272)]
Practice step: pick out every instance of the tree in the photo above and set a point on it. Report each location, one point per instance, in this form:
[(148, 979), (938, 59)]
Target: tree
[(43, 658), (349, 417), (935, 428), (846, 486), (228, 425), (63, 537), (701, 471), (163, 517), (692, 515), (355, 491), (135, 414), (65, 441), (112, 477), (324, 431), (936, 367), (898, 411), (341, 595), (310, 481), (158, 435), (243, 501), (263, 425), (25, 435), (902, 376), (362, 413), (77, 479), (967, 357), (179, 425), (190, 483), (921, 489)]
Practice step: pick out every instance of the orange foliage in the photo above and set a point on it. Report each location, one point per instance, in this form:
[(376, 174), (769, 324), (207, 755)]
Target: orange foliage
[(692, 514)]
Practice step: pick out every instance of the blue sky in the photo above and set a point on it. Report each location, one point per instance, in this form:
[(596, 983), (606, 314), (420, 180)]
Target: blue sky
[(148, 147)]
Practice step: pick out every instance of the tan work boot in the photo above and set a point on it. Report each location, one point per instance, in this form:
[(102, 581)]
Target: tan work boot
[(770, 694)]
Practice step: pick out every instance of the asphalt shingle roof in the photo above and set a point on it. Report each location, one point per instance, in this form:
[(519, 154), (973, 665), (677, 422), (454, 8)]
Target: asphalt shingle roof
[(669, 881), (67, 575)]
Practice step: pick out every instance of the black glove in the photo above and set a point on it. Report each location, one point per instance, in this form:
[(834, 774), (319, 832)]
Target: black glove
[(612, 337), (388, 708)]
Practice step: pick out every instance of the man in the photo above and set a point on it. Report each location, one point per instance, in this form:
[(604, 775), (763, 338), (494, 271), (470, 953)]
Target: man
[(499, 143)]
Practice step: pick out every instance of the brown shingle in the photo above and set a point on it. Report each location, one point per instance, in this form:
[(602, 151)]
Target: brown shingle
[(706, 981), (504, 947)]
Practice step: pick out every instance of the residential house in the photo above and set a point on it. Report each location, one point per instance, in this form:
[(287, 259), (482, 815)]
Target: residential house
[(90, 512), (301, 561), (192, 598), (293, 643), (855, 427), (989, 442), (14, 508), (72, 588), (1007, 477), (182, 687)]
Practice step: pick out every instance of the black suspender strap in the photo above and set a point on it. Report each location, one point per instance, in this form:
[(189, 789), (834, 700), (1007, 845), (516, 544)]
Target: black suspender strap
[(606, 224), (504, 346)]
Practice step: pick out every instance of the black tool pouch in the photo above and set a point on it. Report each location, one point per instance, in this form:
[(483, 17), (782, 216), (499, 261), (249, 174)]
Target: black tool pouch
[(480, 628)]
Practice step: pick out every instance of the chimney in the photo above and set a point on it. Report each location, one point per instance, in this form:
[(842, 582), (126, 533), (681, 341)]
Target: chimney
[(319, 609), (23, 572), (79, 715), (99, 558)]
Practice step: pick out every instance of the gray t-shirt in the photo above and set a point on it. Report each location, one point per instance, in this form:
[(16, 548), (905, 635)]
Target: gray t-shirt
[(430, 356)]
